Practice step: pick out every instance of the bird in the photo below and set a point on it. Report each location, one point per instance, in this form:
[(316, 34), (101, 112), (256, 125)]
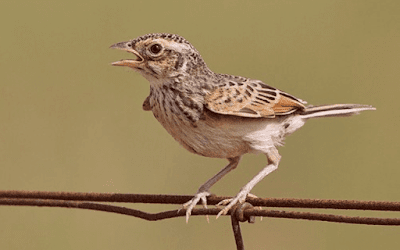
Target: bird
[(218, 115)]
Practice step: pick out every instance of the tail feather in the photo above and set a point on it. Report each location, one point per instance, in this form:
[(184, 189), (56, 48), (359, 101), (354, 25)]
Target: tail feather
[(337, 110)]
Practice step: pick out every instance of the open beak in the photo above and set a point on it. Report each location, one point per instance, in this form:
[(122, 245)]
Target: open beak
[(127, 46)]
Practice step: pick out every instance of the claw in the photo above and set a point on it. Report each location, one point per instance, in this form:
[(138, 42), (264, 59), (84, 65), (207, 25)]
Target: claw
[(230, 203), (225, 210), (259, 208), (239, 198), (224, 202), (193, 202)]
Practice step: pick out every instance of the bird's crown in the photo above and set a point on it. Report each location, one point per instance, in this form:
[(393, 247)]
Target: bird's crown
[(165, 36)]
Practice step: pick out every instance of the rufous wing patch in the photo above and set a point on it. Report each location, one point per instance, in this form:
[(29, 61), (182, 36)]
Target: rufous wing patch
[(250, 98), (286, 105)]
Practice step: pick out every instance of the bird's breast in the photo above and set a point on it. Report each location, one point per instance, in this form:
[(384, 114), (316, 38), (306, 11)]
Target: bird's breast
[(207, 136)]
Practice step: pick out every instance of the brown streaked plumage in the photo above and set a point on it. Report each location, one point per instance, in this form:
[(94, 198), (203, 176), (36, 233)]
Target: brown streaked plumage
[(218, 115), (250, 98)]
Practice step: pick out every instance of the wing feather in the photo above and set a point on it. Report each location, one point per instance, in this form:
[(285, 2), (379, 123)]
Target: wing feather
[(251, 98)]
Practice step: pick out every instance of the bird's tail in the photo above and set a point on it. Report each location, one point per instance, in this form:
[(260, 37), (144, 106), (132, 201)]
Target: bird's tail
[(338, 110)]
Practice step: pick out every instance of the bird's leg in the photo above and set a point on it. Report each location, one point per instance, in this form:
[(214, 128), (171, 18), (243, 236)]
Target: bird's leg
[(203, 191), (273, 161)]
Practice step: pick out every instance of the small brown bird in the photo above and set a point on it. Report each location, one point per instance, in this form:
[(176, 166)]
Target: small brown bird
[(218, 115)]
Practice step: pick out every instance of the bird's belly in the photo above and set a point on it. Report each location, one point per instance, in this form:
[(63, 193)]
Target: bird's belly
[(205, 137), (218, 135)]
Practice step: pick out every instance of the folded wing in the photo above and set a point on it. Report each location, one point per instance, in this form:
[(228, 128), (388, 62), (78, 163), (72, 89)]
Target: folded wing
[(251, 98)]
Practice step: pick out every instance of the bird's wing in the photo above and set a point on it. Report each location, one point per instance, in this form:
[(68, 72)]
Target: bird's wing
[(251, 98), (146, 104)]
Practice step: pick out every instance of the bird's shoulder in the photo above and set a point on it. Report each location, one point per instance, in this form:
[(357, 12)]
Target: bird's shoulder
[(146, 104)]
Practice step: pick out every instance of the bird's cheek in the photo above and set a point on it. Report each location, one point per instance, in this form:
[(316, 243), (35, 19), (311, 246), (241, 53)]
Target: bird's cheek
[(155, 69)]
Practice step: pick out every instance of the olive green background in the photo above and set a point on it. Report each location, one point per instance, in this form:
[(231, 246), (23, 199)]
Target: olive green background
[(71, 122)]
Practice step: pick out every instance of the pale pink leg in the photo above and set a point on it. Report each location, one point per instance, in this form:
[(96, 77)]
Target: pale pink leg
[(203, 191)]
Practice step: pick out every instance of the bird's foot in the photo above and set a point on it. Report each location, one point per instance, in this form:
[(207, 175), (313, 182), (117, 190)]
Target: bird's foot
[(229, 203), (193, 202), (233, 201)]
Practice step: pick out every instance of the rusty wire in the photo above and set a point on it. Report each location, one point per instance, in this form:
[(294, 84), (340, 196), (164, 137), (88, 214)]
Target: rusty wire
[(237, 233), (88, 201), (211, 200), (240, 213)]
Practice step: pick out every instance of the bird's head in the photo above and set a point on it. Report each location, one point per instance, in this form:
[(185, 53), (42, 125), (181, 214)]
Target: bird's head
[(161, 56)]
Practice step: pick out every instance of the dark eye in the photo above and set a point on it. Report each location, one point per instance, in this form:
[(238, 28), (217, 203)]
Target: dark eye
[(155, 48)]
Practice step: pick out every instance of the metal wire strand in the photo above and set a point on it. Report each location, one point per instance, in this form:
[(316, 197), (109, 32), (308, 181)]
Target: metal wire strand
[(78, 200)]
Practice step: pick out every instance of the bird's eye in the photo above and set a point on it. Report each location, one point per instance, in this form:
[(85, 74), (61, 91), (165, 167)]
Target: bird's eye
[(155, 48)]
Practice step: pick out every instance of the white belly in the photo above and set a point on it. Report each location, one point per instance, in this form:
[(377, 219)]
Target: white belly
[(226, 136)]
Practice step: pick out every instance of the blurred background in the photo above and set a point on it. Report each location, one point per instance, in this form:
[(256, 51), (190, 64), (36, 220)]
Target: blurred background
[(71, 122)]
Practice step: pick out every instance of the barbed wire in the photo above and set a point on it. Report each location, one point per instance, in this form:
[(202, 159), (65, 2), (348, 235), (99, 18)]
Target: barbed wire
[(240, 213), (80, 200)]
